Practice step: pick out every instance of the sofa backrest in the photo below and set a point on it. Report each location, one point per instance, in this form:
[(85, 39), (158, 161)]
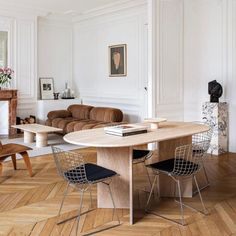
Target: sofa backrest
[(80, 111), (106, 114)]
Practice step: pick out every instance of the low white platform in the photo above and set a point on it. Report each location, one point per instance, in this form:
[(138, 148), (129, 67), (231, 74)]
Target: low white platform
[(45, 106)]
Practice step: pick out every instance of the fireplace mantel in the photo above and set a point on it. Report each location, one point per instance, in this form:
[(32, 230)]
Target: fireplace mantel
[(10, 95)]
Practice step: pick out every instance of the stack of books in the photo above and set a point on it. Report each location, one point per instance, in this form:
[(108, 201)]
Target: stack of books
[(125, 130)]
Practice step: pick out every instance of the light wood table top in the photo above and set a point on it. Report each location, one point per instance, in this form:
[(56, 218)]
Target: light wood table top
[(36, 128), (166, 131)]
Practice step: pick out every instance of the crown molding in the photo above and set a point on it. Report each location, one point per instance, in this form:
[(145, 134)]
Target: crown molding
[(17, 10), (122, 5), (56, 20)]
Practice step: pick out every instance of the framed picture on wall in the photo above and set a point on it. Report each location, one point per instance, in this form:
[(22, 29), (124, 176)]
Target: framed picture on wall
[(46, 88), (118, 60)]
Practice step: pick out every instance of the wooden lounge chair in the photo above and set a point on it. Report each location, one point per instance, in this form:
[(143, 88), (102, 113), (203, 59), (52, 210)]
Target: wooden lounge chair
[(10, 150)]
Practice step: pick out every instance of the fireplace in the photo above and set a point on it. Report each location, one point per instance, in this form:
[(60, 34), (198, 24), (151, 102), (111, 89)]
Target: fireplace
[(10, 95)]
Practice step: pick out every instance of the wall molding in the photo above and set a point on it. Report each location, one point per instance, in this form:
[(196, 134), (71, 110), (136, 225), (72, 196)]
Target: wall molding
[(164, 97), (113, 8), (18, 10)]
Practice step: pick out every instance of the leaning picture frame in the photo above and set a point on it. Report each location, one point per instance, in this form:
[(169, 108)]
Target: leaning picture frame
[(46, 88), (118, 60)]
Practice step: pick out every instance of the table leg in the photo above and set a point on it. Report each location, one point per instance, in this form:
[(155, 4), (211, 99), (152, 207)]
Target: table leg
[(119, 160), (28, 137), (41, 139)]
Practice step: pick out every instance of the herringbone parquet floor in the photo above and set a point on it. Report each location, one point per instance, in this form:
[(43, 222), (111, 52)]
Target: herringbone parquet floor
[(28, 206)]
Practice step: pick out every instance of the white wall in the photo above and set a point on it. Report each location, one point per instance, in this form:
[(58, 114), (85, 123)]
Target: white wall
[(192, 42), (169, 85), (210, 51), (22, 30), (204, 52), (55, 51), (91, 76), (231, 71)]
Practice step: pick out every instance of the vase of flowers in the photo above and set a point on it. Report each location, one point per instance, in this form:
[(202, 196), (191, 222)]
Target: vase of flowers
[(5, 77)]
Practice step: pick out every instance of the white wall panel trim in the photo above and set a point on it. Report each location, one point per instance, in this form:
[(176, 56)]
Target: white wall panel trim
[(114, 8)]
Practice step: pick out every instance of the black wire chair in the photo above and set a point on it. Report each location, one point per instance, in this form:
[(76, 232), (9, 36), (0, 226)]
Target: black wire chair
[(140, 157), (82, 176), (184, 164), (197, 140)]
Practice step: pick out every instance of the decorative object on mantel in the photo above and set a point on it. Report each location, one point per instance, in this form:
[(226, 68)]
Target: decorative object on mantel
[(215, 90), (5, 77), (46, 88), (67, 93), (11, 96), (56, 96), (216, 116), (154, 122)]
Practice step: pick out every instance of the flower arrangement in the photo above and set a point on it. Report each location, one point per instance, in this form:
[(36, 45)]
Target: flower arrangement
[(5, 76)]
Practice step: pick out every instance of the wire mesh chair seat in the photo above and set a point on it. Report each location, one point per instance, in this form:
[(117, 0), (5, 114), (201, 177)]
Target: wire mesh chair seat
[(183, 164), (94, 174), (197, 140), (82, 176)]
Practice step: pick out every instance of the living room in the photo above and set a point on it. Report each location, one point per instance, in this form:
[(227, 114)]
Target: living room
[(61, 53)]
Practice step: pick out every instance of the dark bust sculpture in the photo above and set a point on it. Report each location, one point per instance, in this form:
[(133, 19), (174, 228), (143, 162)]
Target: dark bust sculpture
[(215, 90)]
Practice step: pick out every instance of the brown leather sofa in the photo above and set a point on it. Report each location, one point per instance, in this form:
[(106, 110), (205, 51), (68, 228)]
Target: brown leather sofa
[(80, 117)]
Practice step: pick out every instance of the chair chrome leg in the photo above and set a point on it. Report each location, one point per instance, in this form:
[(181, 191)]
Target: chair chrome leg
[(91, 198), (114, 206), (200, 196), (104, 228), (204, 169), (150, 195), (181, 203), (149, 179), (79, 212), (62, 202), (207, 180)]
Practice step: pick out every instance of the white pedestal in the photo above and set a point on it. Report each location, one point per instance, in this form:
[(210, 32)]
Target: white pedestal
[(216, 116), (45, 106), (41, 140), (28, 137)]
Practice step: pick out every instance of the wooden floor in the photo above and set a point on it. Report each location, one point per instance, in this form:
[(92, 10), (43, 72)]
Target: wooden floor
[(28, 206)]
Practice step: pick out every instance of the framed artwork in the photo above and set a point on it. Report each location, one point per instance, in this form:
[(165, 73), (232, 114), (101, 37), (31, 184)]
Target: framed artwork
[(118, 60), (46, 88)]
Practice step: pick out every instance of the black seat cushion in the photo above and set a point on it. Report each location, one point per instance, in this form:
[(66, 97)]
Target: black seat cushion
[(184, 167), (94, 173), (138, 154)]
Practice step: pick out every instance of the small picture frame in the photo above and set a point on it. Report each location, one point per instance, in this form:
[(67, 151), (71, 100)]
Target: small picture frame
[(46, 88), (118, 60)]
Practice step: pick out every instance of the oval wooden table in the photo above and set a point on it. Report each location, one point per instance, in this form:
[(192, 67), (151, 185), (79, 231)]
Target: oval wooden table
[(115, 153)]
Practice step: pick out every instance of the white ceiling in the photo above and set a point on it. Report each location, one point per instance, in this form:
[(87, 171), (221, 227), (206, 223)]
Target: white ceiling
[(62, 6)]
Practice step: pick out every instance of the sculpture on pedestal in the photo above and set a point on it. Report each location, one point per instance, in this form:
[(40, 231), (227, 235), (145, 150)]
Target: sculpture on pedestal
[(215, 90)]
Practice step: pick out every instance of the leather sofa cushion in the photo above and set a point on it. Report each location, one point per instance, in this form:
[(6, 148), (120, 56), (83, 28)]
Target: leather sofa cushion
[(62, 122), (80, 125), (80, 112), (106, 114), (58, 114), (71, 126)]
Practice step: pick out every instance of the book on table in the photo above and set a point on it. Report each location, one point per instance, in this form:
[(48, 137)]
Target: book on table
[(125, 130)]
